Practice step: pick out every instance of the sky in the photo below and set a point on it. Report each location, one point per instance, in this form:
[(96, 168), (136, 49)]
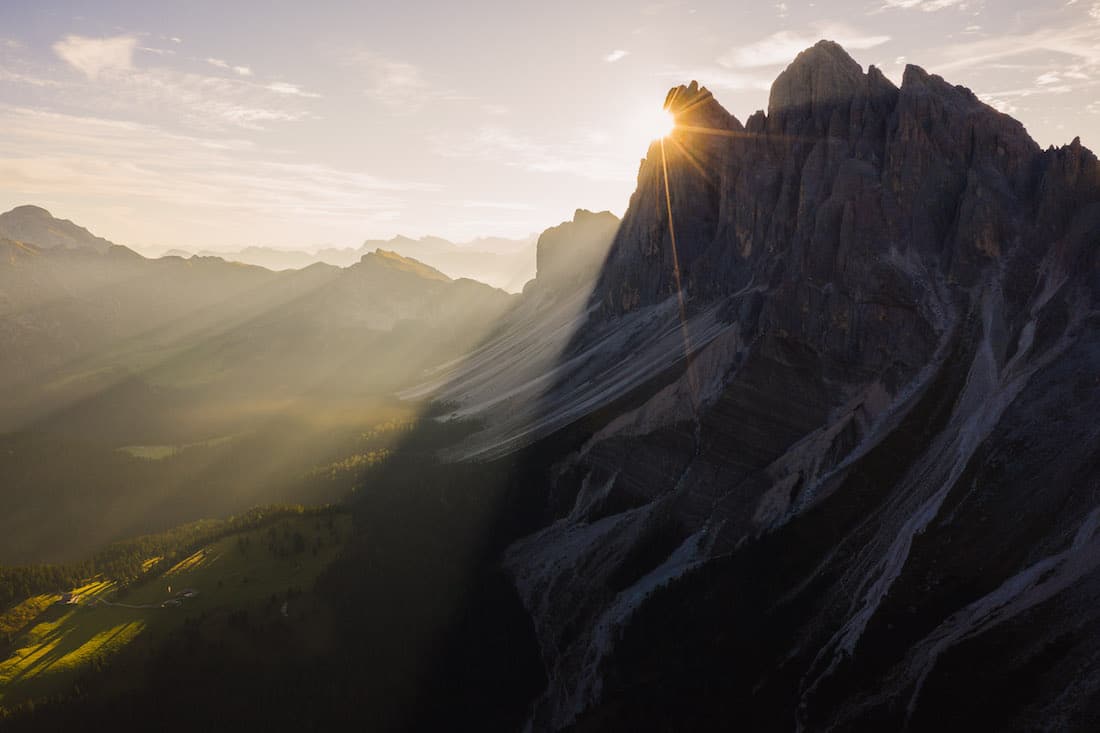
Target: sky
[(219, 125)]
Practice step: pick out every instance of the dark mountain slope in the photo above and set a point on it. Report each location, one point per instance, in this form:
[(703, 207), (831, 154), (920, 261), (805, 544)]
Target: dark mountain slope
[(832, 427)]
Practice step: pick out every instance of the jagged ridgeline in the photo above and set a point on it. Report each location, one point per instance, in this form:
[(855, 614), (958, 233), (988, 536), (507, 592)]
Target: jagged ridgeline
[(853, 480)]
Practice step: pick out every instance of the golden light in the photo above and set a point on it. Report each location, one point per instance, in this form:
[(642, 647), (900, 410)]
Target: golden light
[(646, 125), (664, 122)]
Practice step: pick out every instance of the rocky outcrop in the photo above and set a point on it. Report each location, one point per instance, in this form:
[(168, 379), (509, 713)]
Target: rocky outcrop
[(569, 255), (831, 424)]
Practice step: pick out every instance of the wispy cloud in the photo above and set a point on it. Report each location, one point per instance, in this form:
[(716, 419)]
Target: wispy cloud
[(112, 84), (501, 205), (34, 81), (781, 47), (399, 85), (928, 6), (293, 90), (716, 77), (1081, 43), (1077, 48), (95, 56), (616, 55), (581, 155), (45, 154), (223, 64)]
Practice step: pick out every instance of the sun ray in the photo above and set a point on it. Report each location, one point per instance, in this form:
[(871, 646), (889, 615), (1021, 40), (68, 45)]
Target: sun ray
[(689, 371), (693, 160)]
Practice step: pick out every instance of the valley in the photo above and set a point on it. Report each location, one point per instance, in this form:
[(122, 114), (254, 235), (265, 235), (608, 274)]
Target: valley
[(57, 640)]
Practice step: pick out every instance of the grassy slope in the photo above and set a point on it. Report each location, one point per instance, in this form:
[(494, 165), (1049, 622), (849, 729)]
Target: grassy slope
[(57, 641)]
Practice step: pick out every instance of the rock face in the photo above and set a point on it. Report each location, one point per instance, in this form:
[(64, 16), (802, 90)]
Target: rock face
[(568, 255), (833, 461)]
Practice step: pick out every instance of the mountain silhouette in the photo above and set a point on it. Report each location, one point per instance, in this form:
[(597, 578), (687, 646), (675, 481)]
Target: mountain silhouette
[(824, 443)]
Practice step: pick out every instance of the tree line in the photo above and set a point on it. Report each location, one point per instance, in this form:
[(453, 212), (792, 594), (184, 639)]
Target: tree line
[(128, 561)]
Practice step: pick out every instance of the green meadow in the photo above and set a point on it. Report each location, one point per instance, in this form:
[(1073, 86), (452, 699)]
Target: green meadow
[(52, 642)]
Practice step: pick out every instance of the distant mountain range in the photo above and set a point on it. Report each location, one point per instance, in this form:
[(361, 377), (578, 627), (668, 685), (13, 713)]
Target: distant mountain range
[(101, 344), (68, 297), (502, 263)]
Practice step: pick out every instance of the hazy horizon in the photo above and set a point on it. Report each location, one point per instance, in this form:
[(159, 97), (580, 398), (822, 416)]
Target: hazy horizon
[(170, 129)]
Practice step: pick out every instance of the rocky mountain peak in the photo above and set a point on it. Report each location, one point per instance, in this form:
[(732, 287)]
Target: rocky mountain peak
[(572, 252), (823, 74), (858, 329), (694, 106)]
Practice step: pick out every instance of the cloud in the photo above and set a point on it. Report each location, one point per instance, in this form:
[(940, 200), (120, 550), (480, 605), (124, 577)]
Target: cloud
[(500, 205), (199, 101), (719, 78), (95, 56), (223, 64), (399, 85), (34, 81), (47, 154), (111, 85), (928, 6), (394, 83), (616, 55), (1082, 43), (580, 155), (780, 48), (293, 90)]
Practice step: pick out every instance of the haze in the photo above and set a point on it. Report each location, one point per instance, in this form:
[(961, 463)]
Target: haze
[(218, 126)]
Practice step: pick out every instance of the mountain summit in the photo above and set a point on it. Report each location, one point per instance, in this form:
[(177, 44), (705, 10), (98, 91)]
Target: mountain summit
[(826, 433), (34, 225)]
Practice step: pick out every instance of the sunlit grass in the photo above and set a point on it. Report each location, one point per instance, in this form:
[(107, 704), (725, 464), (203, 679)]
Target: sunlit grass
[(18, 616), (62, 638), (58, 641), (192, 562)]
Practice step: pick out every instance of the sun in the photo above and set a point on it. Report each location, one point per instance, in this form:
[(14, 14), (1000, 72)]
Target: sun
[(662, 124), (644, 125)]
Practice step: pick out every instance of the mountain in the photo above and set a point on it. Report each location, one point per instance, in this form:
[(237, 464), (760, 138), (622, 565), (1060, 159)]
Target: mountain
[(502, 263), (807, 441), (35, 224), (214, 363), (819, 448)]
